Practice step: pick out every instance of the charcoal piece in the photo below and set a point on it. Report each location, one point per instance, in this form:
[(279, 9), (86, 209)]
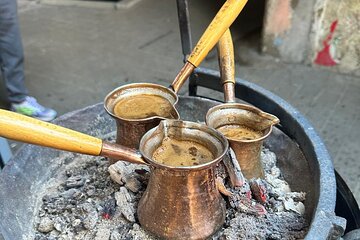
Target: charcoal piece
[(91, 192), (59, 224), (123, 201), (133, 184), (297, 196), (141, 171), (74, 182), (297, 207), (109, 208), (76, 223), (259, 190), (46, 225), (69, 193), (90, 220), (118, 172), (122, 232), (49, 198), (87, 207)]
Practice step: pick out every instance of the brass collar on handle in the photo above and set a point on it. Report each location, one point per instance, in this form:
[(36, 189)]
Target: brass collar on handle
[(229, 92), (182, 76), (118, 152)]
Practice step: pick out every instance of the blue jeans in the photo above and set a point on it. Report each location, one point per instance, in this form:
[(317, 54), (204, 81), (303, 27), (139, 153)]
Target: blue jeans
[(11, 52)]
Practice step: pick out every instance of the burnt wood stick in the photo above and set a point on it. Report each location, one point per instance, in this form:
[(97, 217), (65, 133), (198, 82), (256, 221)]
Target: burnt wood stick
[(233, 168)]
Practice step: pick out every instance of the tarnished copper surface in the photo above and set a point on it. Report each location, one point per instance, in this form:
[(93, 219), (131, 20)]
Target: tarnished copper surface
[(182, 76), (118, 152), (229, 92), (226, 60), (225, 49), (247, 151), (130, 131), (182, 202), (248, 155)]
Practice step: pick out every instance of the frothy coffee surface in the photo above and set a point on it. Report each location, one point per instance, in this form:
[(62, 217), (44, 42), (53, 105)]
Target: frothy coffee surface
[(239, 132), (180, 153), (143, 106)]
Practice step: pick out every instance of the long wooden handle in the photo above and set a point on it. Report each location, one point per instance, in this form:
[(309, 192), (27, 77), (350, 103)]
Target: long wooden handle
[(222, 21), (225, 49), (25, 129)]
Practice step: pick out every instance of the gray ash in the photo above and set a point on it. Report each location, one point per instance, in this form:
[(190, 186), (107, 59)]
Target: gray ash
[(92, 200)]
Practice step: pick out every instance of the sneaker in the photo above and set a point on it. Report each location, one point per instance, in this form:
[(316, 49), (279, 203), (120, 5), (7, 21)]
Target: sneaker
[(30, 107)]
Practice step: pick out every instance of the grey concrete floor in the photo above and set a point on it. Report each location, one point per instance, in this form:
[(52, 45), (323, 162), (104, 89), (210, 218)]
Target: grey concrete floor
[(76, 55)]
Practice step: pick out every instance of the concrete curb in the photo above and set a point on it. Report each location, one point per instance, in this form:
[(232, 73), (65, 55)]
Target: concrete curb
[(124, 4)]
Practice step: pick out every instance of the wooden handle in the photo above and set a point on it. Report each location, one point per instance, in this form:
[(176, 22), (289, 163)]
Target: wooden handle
[(227, 66), (225, 49), (25, 129), (222, 21)]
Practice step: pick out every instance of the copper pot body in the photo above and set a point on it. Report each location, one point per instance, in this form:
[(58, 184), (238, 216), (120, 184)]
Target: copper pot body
[(247, 151), (182, 202), (130, 131)]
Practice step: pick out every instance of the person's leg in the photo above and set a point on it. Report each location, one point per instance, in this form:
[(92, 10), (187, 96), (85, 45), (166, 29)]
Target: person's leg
[(11, 52), (12, 65)]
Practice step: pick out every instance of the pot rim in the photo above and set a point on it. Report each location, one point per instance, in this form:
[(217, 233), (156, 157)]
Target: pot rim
[(220, 137), (139, 85), (267, 131)]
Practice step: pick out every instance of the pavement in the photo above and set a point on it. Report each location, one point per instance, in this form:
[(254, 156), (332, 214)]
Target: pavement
[(76, 55)]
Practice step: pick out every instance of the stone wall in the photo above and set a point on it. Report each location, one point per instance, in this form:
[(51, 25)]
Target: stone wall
[(320, 32), (286, 29), (336, 35)]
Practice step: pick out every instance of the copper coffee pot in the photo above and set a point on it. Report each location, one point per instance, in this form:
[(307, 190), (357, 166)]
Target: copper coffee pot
[(130, 131), (180, 202), (230, 113)]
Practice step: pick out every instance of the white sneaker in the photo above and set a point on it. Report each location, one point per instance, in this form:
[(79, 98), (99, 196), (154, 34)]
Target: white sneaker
[(30, 107)]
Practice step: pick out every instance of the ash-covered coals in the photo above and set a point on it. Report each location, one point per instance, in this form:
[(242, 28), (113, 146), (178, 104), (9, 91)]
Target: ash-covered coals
[(92, 200), (264, 208), (239, 132), (277, 226), (181, 153), (87, 204), (143, 106)]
